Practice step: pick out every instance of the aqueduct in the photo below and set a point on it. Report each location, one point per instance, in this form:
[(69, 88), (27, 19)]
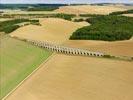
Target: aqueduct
[(65, 50)]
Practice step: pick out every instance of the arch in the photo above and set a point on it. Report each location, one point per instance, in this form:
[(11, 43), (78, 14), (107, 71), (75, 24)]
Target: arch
[(78, 52), (52, 49), (87, 53), (84, 53), (46, 47), (98, 55), (58, 50), (74, 52), (94, 54), (91, 54)]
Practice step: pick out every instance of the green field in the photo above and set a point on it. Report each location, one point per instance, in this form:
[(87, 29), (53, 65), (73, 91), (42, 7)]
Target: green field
[(18, 60)]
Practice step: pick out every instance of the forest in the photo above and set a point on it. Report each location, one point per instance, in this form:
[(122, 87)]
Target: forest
[(122, 12), (107, 28)]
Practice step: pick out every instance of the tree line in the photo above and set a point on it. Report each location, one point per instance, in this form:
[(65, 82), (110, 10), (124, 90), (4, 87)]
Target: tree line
[(11, 25)]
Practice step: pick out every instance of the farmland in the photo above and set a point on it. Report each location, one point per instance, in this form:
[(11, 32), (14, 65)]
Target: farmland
[(90, 9), (47, 30), (78, 78), (74, 77), (63, 76), (18, 60)]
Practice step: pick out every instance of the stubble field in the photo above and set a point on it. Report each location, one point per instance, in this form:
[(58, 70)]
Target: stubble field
[(66, 77)]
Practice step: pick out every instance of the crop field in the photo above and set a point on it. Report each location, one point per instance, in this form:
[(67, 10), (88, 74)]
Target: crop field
[(18, 60), (88, 9), (128, 15), (52, 29), (4, 19), (66, 77), (28, 12), (101, 29), (123, 48)]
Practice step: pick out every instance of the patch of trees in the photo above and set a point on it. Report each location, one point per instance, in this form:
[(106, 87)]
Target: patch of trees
[(79, 20), (11, 25), (90, 15), (122, 12), (65, 16), (1, 12), (60, 15), (107, 28), (45, 8)]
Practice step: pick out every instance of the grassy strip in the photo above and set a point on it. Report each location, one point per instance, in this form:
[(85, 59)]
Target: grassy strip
[(18, 60)]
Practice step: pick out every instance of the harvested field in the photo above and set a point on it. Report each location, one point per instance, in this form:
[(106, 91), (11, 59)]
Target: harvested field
[(53, 29), (88, 9), (123, 48), (78, 78), (128, 15), (27, 12), (124, 6), (5, 19), (17, 60), (2, 34)]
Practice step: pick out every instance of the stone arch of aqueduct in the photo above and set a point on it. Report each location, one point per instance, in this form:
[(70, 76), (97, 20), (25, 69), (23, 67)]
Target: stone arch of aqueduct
[(65, 50)]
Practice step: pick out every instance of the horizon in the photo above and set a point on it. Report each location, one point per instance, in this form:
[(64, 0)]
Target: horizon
[(64, 1)]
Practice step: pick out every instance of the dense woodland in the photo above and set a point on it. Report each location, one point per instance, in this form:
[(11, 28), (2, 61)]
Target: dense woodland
[(122, 12), (46, 8), (107, 28), (11, 25), (32, 7)]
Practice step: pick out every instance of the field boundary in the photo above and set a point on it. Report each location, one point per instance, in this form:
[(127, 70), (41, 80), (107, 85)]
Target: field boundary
[(4, 98)]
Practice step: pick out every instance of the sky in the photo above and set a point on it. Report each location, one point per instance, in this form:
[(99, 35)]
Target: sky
[(66, 1)]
